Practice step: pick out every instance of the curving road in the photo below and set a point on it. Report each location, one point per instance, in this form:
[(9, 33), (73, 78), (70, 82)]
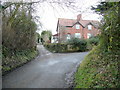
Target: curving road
[(48, 70)]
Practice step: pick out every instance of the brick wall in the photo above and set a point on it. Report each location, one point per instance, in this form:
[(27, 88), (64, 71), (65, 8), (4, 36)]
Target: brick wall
[(72, 30)]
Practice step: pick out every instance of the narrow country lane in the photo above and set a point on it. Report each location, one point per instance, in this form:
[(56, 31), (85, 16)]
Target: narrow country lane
[(48, 70)]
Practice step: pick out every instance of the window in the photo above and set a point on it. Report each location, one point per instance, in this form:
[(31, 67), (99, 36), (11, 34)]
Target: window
[(89, 35), (89, 27), (77, 35), (77, 26), (68, 36)]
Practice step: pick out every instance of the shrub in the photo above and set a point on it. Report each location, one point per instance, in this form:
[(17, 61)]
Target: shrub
[(14, 59), (94, 40), (91, 42), (56, 47), (77, 43), (72, 45)]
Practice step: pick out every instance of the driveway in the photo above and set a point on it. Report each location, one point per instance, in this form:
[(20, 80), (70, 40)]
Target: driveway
[(47, 70)]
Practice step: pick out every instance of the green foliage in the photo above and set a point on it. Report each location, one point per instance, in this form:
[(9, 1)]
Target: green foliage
[(46, 36), (110, 31), (100, 69), (110, 27), (18, 35), (91, 42), (38, 37), (103, 7), (56, 47), (21, 34), (77, 43), (74, 45), (11, 61)]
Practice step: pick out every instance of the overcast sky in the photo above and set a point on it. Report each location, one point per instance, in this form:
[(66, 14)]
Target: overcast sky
[(49, 14)]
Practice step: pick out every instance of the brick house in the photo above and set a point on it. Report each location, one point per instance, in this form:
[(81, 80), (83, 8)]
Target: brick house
[(78, 28)]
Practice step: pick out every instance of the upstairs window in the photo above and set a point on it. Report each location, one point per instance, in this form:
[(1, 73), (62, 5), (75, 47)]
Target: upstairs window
[(77, 26), (77, 35), (89, 27)]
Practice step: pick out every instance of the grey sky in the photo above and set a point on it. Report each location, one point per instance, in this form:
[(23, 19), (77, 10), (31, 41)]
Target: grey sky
[(49, 15)]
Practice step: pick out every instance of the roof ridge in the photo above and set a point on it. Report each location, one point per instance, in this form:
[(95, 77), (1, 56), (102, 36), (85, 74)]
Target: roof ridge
[(66, 18), (89, 20), (76, 19)]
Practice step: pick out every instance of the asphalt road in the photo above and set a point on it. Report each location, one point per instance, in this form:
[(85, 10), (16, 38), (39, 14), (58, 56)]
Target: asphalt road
[(48, 70)]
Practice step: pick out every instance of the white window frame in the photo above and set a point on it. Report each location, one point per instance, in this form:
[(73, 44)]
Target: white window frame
[(77, 35), (89, 27), (77, 26), (68, 36), (89, 35)]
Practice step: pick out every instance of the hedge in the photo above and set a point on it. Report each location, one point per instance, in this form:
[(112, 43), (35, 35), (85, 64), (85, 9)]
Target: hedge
[(56, 47), (64, 47)]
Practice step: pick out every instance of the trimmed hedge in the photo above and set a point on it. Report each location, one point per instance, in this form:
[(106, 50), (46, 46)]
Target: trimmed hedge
[(56, 47), (66, 47), (73, 45)]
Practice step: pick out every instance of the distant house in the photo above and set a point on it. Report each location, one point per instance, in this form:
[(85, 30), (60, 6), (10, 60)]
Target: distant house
[(55, 38), (68, 28)]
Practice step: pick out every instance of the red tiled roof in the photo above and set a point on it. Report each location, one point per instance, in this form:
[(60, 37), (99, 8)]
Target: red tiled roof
[(66, 22), (71, 22)]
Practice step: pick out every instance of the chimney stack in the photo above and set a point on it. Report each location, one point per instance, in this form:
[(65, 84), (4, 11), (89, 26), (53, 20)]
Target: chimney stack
[(79, 17)]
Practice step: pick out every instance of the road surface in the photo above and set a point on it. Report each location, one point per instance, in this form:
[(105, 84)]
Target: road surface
[(47, 70)]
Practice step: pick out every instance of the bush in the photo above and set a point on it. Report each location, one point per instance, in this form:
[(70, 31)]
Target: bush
[(79, 44), (17, 35), (72, 45), (56, 47), (14, 59), (91, 42)]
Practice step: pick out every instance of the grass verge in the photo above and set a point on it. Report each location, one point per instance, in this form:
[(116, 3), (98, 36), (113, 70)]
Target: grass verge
[(98, 70)]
